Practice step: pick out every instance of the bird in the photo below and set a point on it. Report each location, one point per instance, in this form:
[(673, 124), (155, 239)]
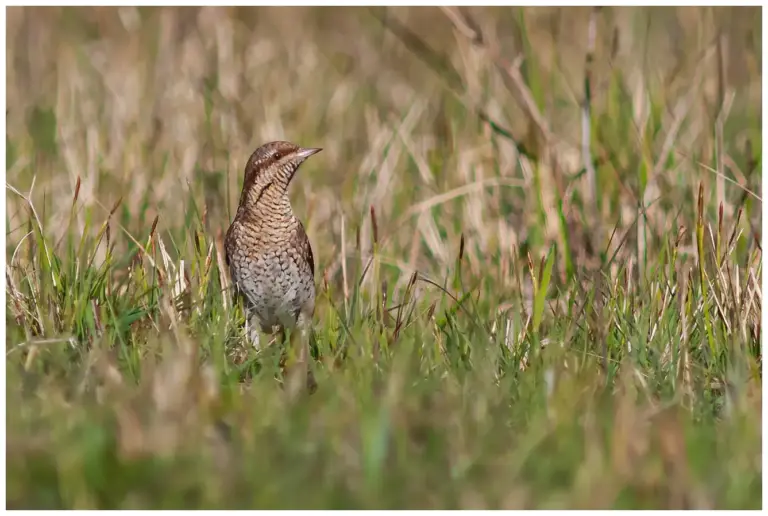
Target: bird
[(267, 251)]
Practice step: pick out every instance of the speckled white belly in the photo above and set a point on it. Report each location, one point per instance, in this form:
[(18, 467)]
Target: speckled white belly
[(275, 289)]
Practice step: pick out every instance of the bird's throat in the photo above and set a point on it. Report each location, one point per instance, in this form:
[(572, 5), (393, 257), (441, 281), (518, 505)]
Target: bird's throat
[(269, 202)]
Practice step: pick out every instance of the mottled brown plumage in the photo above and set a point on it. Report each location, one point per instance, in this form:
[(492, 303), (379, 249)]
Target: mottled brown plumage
[(267, 250)]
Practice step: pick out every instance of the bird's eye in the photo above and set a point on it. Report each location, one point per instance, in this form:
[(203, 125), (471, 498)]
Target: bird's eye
[(277, 155)]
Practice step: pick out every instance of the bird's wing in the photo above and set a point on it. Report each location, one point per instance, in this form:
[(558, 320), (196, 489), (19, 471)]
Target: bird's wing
[(301, 241)]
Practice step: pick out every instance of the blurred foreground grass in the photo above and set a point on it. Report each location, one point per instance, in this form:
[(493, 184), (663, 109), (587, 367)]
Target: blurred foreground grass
[(526, 299)]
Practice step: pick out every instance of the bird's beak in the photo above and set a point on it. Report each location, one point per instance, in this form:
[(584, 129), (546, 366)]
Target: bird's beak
[(305, 153)]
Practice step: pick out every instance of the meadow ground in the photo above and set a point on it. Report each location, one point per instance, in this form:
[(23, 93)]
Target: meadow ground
[(537, 237)]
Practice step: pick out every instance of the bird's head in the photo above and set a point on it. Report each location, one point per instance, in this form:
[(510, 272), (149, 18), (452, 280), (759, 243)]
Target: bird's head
[(274, 164)]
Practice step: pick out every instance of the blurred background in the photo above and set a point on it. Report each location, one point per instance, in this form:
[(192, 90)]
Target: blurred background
[(163, 106)]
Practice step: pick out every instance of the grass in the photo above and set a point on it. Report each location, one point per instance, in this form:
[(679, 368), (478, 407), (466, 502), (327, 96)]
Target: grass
[(528, 297)]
